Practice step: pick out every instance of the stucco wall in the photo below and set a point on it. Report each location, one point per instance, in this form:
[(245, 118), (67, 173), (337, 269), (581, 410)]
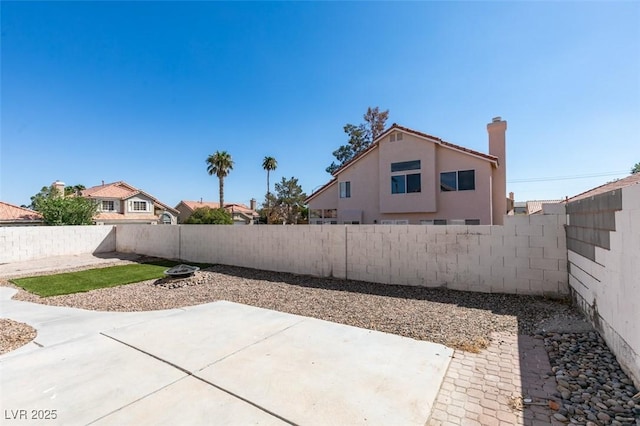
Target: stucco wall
[(26, 243), (526, 256), (604, 269)]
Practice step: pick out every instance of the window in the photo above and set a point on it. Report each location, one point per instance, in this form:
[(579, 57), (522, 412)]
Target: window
[(463, 180), (413, 183), (405, 165), (448, 181), (402, 184), (139, 206), (345, 189), (108, 206), (426, 222), (397, 136), (330, 213), (439, 221), (315, 214), (398, 184), (466, 180), (472, 221)]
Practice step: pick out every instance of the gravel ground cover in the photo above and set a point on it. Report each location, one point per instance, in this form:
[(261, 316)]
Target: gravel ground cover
[(14, 334), (462, 320)]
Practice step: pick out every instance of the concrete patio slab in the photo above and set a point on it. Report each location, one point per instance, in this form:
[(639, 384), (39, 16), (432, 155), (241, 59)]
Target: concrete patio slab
[(205, 334), (318, 373), (230, 363), (81, 380), (189, 401)]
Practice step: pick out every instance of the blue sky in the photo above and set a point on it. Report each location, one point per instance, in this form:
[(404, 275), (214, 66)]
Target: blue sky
[(145, 91)]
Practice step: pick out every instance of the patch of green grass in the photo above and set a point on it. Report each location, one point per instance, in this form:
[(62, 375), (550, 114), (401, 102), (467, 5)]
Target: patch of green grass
[(91, 279)]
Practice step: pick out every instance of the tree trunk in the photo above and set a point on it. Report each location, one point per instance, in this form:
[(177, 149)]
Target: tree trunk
[(268, 201), (221, 180)]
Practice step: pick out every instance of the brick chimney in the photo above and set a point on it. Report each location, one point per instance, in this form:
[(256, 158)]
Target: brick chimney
[(252, 204), (497, 147)]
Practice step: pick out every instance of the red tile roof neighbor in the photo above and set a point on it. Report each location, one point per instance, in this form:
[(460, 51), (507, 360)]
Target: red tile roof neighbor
[(120, 190), (231, 207), (618, 184), (11, 213)]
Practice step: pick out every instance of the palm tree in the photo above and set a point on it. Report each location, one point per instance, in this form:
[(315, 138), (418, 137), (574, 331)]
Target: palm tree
[(220, 164), (269, 164)]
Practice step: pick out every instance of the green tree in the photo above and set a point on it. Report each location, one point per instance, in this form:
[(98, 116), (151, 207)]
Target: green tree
[(74, 190), (269, 164), (207, 215), (636, 169), (220, 164), (288, 202), (57, 209), (360, 137)]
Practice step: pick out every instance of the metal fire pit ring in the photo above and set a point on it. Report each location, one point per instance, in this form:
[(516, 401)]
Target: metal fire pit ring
[(181, 271)]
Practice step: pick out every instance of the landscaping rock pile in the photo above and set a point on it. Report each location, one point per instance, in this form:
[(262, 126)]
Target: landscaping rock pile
[(591, 386)]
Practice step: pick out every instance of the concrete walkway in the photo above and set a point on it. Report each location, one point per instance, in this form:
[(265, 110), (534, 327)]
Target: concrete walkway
[(218, 363)]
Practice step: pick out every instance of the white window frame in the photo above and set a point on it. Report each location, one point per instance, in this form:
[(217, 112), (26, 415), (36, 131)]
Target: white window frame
[(108, 202), (138, 202), (345, 189)]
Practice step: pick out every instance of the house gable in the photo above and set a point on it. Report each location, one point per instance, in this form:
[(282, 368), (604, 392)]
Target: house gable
[(407, 176)]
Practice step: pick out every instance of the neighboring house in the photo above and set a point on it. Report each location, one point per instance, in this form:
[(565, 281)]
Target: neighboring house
[(240, 213), (410, 177), (11, 215), (535, 206), (120, 203), (633, 179)]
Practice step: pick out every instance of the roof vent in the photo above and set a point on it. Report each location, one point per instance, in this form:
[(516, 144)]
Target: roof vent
[(496, 119)]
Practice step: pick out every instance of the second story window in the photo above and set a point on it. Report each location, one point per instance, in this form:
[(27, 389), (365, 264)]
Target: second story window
[(463, 180), (345, 189), (108, 206), (139, 206), (404, 184)]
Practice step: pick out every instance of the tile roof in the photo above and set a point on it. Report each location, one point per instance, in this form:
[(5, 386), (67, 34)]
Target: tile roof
[(617, 184), (192, 205), (124, 217), (535, 206), (12, 213), (121, 190), (235, 207)]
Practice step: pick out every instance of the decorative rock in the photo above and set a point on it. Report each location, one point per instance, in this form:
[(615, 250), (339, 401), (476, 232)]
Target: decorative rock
[(560, 417), (592, 387)]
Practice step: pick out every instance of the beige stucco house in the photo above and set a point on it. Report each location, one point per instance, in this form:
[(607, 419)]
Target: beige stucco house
[(119, 203), (409, 177), (240, 213)]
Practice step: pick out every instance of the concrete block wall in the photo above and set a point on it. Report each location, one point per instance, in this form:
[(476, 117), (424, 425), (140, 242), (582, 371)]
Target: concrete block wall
[(605, 279), (525, 256), (33, 242), (151, 240)]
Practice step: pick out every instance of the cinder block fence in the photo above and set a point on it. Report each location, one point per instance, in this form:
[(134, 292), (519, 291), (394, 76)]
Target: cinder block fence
[(527, 255)]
